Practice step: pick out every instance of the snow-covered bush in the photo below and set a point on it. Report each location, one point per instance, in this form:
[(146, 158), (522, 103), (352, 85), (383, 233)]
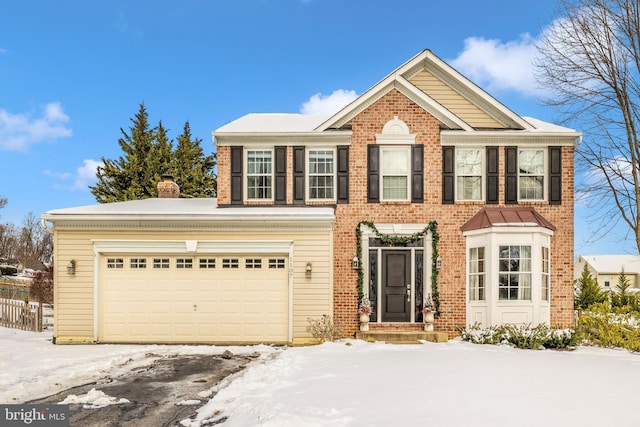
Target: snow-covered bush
[(605, 326), (521, 336)]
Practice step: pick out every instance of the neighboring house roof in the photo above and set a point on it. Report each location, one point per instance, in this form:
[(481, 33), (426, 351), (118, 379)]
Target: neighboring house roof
[(187, 209), (613, 264), (501, 217)]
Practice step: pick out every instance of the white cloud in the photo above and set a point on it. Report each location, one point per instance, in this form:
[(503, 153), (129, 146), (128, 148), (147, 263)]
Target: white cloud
[(59, 175), (328, 104), (86, 174), (19, 131), (499, 66)]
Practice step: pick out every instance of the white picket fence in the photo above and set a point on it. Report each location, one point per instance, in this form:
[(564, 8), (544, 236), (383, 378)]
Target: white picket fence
[(18, 314)]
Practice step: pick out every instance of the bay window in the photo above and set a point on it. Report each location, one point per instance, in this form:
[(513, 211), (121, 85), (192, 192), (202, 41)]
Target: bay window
[(476, 274), (514, 277)]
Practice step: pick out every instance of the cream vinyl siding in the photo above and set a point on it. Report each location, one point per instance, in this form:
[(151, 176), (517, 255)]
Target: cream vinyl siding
[(76, 309), (453, 101)]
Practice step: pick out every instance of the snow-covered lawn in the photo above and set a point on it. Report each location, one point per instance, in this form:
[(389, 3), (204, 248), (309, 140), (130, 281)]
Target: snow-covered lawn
[(353, 383)]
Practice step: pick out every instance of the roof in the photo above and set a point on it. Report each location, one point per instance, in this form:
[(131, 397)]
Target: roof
[(613, 263), (521, 216), (186, 209), (273, 122)]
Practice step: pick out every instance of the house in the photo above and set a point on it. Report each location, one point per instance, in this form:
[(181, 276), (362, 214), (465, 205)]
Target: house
[(606, 269), (424, 186)]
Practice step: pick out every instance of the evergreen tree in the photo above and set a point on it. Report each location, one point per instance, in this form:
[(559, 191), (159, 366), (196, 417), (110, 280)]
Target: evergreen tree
[(148, 153), (587, 291), (622, 297), (127, 178), (192, 170)]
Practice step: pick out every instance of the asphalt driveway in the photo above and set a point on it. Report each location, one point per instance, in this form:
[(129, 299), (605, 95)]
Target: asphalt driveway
[(154, 391)]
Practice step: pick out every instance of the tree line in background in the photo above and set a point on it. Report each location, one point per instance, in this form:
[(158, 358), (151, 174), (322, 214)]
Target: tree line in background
[(148, 153), (28, 244)]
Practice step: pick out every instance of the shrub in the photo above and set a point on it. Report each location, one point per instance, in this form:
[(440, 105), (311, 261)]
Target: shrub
[(324, 329), (477, 335), (605, 326), (41, 288), (521, 336)]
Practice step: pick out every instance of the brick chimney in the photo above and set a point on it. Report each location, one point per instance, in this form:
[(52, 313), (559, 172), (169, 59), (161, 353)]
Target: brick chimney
[(167, 188)]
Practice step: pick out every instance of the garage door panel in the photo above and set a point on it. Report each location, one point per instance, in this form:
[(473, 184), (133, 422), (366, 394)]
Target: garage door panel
[(197, 304)]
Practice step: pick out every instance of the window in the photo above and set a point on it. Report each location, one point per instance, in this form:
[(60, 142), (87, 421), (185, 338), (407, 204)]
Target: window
[(276, 263), (252, 263), (321, 174), (395, 170), (207, 263), (259, 172), (476, 274), (136, 263), (230, 263), (161, 263), (468, 174), (544, 281), (115, 262), (531, 174), (183, 263), (514, 277)]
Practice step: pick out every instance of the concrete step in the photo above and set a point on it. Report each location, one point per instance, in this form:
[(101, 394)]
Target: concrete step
[(402, 337)]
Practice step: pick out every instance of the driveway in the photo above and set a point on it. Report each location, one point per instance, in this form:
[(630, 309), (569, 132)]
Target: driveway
[(154, 391)]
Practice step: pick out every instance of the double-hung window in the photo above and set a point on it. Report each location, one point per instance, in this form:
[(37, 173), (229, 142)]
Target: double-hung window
[(531, 174), (259, 174), (321, 174), (395, 169), (514, 275), (468, 174), (544, 279), (476, 274)]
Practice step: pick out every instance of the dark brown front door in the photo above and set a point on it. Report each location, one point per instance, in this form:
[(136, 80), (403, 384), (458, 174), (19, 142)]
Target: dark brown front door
[(396, 286)]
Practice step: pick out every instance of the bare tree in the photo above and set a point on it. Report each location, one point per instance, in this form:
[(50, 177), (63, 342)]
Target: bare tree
[(29, 243), (589, 59)]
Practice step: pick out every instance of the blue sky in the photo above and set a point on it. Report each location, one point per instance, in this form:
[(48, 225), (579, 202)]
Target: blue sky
[(72, 73)]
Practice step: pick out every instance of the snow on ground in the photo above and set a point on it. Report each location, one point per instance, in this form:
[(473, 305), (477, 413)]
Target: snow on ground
[(32, 367), (353, 383)]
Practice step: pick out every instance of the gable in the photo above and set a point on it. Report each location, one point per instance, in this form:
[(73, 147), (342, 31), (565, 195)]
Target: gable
[(441, 91), (453, 101)]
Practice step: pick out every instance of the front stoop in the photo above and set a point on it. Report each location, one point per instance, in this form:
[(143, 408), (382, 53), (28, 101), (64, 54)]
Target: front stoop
[(402, 337)]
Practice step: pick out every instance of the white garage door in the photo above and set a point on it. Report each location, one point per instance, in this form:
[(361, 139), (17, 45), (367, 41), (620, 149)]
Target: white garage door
[(177, 298)]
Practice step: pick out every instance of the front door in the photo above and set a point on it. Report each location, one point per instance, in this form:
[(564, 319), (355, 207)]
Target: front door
[(396, 286)]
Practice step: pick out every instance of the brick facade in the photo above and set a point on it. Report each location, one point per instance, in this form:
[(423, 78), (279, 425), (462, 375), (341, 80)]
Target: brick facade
[(452, 280)]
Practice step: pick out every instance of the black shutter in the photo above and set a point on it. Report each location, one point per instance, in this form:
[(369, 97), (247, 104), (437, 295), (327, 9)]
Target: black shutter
[(280, 197), (555, 175), (417, 173), (298, 175), (236, 175), (343, 174), (492, 175), (373, 173), (511, 175), (448, 175)]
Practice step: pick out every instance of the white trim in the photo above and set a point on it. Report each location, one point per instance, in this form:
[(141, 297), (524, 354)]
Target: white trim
[(245, 174), (483, 176), (545, 174), (396, 148), (307, 191), (508, 137), (342, 137), (103, 246)]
